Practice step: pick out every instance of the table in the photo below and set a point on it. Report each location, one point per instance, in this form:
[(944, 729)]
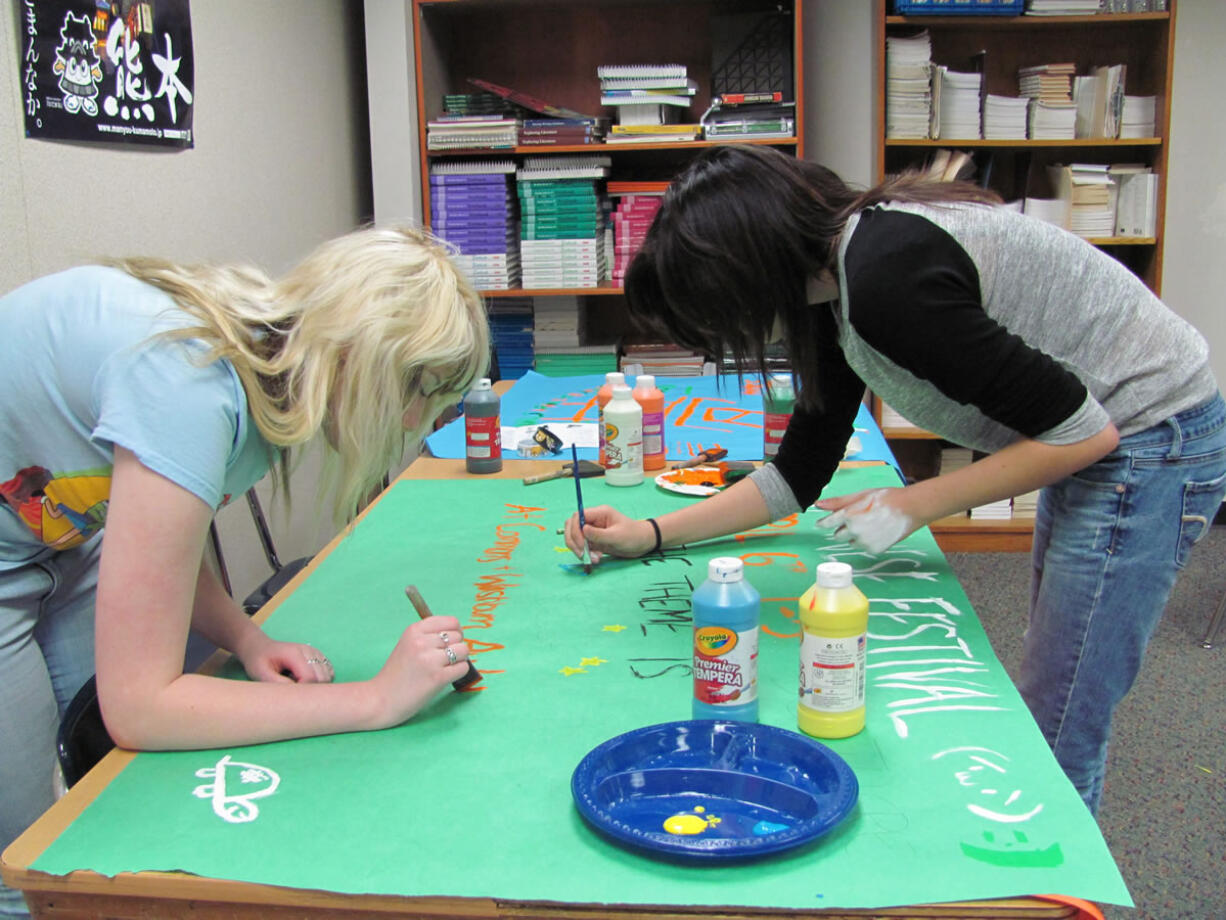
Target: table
[(86, 893)]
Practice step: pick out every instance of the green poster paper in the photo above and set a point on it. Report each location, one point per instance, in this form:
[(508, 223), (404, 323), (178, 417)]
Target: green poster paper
[(959, 796)]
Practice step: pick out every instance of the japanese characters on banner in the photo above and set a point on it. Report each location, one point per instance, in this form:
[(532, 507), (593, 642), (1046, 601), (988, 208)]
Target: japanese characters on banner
[(110, 71)]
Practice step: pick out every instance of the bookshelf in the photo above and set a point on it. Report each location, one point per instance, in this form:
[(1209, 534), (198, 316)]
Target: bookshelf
[(1144, 43), (551, 49)]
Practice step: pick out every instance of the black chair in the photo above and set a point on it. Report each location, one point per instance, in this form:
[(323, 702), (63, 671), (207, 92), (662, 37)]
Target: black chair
[(82, 739)]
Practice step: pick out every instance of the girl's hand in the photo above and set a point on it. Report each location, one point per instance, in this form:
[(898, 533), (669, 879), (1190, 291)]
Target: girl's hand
[(419, 667), (269, 660), (872, 520), (609, 531)]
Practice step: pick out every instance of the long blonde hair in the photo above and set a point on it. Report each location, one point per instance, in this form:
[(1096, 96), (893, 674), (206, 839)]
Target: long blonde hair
[(339, 344)]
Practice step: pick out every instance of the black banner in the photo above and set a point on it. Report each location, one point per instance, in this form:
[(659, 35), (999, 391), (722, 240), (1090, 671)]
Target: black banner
[(108, 71)]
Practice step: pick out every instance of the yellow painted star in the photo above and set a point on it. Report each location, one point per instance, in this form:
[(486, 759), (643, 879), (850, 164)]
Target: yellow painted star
[(568, 671), (593, 662), (615, 628)]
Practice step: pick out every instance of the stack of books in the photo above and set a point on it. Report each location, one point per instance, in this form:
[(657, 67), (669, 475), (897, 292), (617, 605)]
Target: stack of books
[(637, 204), (1063, 7), (1099, 97), (993, 511), (908, 86), (665, 360), (562, 221), (956, 104), (745, 116), (560, 340), (543, 122), (472, 206), (1051, 120), (511, 333), (1026, 505), (1005, 117), (1089, 192), (472, 132), (1052, 114), (1139, 117), (646, 94), (654, 134)]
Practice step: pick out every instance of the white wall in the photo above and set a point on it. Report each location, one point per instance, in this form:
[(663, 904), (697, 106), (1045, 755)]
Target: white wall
[(280, 164), (1194, 256)]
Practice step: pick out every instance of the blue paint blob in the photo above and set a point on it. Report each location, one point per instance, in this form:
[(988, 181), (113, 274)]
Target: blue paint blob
[(762, 828)]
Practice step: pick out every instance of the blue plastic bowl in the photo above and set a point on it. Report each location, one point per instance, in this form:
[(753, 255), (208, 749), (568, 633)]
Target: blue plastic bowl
[(709, 789)]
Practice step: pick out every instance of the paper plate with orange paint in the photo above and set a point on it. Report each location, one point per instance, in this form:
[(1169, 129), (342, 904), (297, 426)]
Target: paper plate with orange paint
[(699, 481), (710, 789)]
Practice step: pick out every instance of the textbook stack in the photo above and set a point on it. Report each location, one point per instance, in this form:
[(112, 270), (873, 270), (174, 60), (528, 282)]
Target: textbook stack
[(472, 206), (956, 104), (546, 132), (1049, 87), (1139, 116), (1005, 117), (511, 333), (664, 360), (560, 340), (637, 204), (1089, 193), (646, 94), (908, 86), (562, 221), (745, 116)]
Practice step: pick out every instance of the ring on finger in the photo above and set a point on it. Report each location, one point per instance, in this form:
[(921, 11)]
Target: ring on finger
[(318, 661), (446, 638), (451, 656)]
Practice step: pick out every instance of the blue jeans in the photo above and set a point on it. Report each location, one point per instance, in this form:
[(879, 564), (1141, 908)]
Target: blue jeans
[(1108, 543), (46, 654)]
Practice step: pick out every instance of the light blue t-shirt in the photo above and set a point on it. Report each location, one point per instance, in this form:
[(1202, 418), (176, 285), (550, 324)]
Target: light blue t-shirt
[(82, 369)]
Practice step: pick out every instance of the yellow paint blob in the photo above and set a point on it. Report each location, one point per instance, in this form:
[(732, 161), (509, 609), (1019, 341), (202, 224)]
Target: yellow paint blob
[(686, 825)]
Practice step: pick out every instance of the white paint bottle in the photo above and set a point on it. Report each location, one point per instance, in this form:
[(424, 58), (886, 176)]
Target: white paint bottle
[(623, 436)]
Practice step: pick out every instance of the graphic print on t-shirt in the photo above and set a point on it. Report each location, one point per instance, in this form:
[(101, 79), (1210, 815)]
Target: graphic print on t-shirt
[(63, 511)]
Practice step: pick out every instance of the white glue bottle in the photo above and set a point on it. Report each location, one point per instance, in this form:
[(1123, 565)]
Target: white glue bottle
[(623, 438), (727, 610), (833, 645), (482, 429)]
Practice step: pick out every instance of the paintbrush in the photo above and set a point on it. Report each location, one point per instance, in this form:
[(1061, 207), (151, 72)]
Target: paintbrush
[(423, 611), (587, 554), (586, 468), (710, 455)]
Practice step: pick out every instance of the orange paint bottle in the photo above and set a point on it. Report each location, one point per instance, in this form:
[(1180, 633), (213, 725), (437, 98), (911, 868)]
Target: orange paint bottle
[(651, 398)]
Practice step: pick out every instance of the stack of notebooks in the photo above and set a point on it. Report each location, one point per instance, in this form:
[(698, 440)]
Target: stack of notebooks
[(637, 204), (511, 333), (744, 116), (562, 221), (908, 86), (956, 104), (474, 121), (472, 206), (646, 94)]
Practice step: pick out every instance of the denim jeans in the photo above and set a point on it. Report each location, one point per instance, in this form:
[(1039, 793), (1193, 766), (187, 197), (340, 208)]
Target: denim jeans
[(1108, 543), (46, 654)]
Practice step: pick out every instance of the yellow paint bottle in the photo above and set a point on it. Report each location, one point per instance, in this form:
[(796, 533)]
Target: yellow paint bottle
[(834, 614)]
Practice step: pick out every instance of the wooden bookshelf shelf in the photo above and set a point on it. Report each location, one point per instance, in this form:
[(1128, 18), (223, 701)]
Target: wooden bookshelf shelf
[(1144, 43)]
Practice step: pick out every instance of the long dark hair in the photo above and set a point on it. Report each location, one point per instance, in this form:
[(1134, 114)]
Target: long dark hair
[(740, 232)]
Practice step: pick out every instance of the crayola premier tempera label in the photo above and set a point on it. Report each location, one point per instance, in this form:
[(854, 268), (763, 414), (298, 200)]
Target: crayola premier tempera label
[(725, 665)]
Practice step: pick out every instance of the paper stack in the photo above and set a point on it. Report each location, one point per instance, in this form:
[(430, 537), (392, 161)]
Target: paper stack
[(993, 511), (1052, 114), (1026, 505), (1138, 119), (957, 104), (908, 86), (560, 340), (1090, 192), (1005, 117), (562, 221), (472, 206)]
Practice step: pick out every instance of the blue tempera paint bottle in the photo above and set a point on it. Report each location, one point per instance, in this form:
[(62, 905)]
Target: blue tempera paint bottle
[(727, 610)]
